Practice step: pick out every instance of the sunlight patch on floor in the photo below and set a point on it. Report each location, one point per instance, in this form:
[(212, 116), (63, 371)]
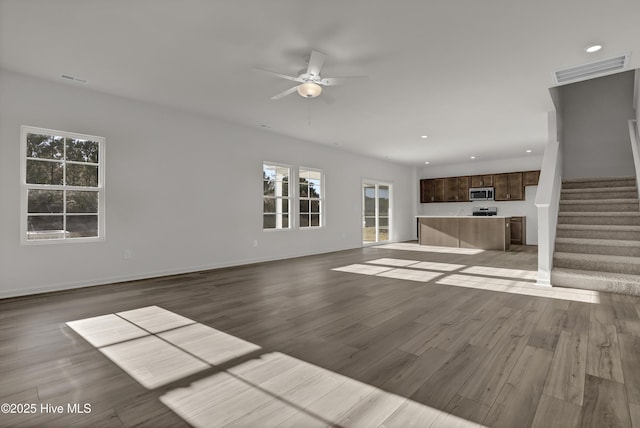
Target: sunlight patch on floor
[(515, 281), (267, 390), (405, 246)]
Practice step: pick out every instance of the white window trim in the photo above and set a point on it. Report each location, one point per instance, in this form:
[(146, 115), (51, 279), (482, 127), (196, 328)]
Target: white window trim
[(24, 130), (321, 198), (290, 198)]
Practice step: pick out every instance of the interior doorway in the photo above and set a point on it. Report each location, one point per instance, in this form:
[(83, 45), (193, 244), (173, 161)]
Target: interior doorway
[(376, 212)]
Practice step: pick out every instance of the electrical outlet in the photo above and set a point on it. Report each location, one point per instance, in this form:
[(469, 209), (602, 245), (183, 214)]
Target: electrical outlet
[(128, 254), (255, 242)]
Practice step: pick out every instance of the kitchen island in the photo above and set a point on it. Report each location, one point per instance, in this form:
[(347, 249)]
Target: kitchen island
[(487, 233)]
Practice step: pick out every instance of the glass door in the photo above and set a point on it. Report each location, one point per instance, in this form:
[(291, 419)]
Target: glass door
[(376, 212)]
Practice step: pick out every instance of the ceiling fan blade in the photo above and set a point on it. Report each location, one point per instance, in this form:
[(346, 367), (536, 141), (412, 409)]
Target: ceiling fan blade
[(282, 76), (285, 93), (315, 63), (334, 81)]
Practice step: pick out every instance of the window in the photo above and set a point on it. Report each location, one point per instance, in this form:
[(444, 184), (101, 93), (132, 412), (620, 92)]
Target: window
[(310, 197), (62, 186), (276, 188)]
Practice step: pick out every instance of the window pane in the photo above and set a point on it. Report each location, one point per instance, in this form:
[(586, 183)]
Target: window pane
[(303, 174), (82, 175), (269, 221), (315, 220), (41, 172), (80, 226), (383, 222), (82, 150), (285, 206), (304, 220), (44, 201), (285, 187), (315, 206), (45, 227), (315, 176), (383, 234), (369, 201), (282, 172), (314, 189), (370, 222), (269, 205), (82, 202), (304, 206), (285, 221), (268, 172), (304, 189), (268, 188), (45, 146)]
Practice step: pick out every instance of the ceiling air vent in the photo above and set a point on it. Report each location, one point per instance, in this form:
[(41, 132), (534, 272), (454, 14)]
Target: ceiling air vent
[(592, 69)]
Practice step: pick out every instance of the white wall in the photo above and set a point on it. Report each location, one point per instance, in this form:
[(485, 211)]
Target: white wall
[(594, 114), (183, 191)]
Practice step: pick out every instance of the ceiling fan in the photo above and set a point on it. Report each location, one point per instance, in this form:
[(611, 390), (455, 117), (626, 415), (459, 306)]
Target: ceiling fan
[(311, 82)]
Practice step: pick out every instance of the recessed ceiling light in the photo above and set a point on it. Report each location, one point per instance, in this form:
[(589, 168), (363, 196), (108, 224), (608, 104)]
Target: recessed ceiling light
[(528, 150), (424, 137), (472, 157), (426, 163), (592, 49)]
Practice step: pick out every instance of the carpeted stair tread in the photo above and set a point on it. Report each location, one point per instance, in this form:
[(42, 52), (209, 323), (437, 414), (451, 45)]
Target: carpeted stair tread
[(603, 242), (600, 201), (601, 189), (583, 180), (598, 182), (617, 227), (599, 262), (599, 214), (598, 281), (597, 258)]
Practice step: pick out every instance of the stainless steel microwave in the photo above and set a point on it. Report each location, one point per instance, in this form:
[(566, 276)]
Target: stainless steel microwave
[(481, 194)]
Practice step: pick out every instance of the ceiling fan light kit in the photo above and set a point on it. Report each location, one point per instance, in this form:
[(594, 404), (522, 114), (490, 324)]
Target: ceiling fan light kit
[(309, 90), (311, 82)]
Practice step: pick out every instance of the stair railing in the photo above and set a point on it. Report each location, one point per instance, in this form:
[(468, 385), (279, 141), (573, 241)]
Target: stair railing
[(548, 204), (634, 133)]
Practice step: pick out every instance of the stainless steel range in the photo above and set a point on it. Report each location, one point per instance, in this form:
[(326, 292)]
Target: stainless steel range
[(484, 211)]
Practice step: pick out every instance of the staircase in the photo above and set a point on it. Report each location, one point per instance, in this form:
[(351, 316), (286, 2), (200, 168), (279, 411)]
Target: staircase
[(598, 236)]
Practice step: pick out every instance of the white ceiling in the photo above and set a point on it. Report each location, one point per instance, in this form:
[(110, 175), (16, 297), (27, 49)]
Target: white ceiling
[(473, 75)]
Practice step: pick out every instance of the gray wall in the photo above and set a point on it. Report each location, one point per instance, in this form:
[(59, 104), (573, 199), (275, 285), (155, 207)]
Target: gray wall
[(595, 134), (183, 191)]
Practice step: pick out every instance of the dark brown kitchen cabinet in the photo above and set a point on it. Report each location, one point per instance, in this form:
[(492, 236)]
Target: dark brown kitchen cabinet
[(518, 227), (508, 187), (426, 191), (482, 180), (438, 190), (463, 189), (451, 189), (531, 178)]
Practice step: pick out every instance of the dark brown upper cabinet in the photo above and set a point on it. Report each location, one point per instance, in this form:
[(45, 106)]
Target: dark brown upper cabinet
[(509, 187), (481, 180), (426, 191), (451, 189), (463, 189), (438, 190), (531, 178)]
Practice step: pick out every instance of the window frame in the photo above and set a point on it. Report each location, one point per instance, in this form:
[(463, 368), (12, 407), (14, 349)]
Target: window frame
[(25, 187), (321, 199), (290, 197)]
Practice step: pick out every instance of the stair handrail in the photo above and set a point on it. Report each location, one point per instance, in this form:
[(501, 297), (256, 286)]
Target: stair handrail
[(634, 134), (548, 204)]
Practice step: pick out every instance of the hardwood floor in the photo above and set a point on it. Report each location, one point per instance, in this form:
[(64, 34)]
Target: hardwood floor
[(415, 338)]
